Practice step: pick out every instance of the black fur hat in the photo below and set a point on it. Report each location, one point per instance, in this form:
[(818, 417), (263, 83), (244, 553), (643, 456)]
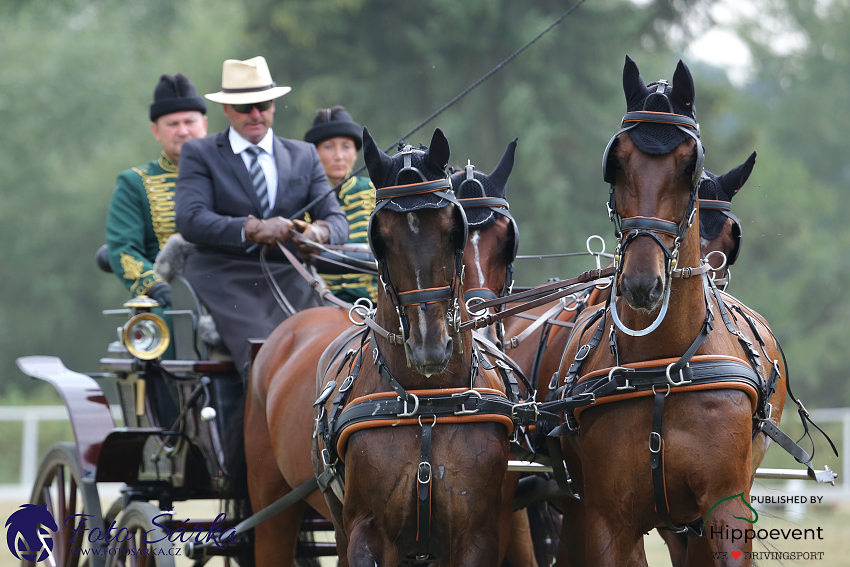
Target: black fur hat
[(175, 93), (333, 122)]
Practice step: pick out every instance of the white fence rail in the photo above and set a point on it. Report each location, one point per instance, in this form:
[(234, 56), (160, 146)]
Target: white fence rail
[(32, 416)]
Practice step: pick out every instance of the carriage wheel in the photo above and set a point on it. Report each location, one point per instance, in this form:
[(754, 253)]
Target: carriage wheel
[(58, 485), (155, 548)]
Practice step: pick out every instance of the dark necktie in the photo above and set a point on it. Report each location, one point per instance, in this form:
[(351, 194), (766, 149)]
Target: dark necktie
[(258, 178)]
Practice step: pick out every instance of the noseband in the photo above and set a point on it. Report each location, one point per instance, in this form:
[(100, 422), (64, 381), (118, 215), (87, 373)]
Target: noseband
[(627, 230), (403, 299)]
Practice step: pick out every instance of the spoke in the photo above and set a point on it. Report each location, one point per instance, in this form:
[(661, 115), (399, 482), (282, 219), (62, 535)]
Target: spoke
[(64, 535)]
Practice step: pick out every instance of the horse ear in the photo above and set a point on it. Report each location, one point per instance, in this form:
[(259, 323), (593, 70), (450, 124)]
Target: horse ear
[(633, 85), (499, 177), (683, 85), (438, 152), (732, 181), (377, 162)]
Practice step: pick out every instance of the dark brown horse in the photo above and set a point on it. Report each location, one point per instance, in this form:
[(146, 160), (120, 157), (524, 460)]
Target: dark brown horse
[(540, 353), (649, 461), (282, 391)]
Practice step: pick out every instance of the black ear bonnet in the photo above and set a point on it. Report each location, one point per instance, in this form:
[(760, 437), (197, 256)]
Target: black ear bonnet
[(483, 196), (430, 187), (659, 135), (721, 189)]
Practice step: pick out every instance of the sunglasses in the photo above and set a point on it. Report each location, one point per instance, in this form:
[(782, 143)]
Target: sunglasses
[(246, 108)]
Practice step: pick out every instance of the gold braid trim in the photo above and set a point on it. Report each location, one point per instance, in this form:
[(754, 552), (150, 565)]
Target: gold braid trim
[(160, 192)]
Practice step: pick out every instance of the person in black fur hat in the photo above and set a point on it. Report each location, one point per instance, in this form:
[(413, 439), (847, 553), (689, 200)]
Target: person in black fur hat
[(338, 139), (141, 212)]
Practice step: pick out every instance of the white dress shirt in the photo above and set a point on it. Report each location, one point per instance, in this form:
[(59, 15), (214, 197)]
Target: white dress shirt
[(266, 159)]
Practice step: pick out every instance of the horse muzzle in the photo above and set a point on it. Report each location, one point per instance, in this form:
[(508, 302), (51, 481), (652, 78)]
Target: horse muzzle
[(643, 291), (432, 356)]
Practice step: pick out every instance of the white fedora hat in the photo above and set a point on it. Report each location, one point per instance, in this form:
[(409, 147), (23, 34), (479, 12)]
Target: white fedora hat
[(247, 82)]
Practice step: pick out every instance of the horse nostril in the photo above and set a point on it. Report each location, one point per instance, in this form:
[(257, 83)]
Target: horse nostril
[(657, 290)]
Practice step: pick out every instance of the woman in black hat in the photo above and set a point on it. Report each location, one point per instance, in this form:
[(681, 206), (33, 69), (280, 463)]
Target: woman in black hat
[(338, 139)]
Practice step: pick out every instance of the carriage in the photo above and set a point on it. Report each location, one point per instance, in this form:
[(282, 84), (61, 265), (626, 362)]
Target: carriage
[(181, 427)]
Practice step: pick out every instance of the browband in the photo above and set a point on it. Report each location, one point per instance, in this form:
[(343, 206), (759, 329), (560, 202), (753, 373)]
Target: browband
[(482, 202), (661, 118), (412, 189), (711, 204)]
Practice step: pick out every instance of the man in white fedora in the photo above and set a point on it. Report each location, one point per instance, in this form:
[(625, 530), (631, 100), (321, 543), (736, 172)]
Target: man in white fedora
[(236, 191)]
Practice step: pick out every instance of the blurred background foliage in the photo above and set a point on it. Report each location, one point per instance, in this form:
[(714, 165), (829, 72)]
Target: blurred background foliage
[(78, 76)]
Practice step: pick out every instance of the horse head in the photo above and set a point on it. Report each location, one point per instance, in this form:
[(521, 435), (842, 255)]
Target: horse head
[(654, 164), (719, 229), (417, 233), (493, 235)]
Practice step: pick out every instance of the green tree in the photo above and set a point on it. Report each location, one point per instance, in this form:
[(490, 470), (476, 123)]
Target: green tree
[(77, 81)]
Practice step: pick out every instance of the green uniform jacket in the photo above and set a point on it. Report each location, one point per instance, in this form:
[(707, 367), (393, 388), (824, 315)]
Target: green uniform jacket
[(357, 200), (140, 220)]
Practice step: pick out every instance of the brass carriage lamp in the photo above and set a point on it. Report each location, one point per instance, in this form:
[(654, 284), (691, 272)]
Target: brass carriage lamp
[(145, 334)]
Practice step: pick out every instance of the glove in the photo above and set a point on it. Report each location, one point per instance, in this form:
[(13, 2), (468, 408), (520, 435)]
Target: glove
[(267, 231), (161, 292), (317, 231)]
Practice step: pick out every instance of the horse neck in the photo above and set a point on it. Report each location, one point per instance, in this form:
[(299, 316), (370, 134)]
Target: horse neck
[(685, 314), (457, 372)]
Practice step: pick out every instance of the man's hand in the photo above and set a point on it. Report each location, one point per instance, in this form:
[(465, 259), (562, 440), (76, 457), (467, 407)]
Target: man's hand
[(161, 293), (317, 231), (267, 231)]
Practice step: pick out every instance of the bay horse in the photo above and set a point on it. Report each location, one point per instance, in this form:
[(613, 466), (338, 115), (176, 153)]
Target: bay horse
[(540, 353), (279, 420), (648, 461)]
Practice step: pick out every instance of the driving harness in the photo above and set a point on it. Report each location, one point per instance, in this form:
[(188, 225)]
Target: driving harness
[(658, 378)]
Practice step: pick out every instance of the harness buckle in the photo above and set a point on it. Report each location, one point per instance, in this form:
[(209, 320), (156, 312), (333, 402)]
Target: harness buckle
[(326, 458), (463, 410), (655, 436), (628, 385), (406, 413), (682, 381), (583, 351), (424, 473), (768, 412), (534, 405), (346, 384)]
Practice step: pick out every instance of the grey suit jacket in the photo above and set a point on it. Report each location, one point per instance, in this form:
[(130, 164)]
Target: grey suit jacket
[(214, 193)]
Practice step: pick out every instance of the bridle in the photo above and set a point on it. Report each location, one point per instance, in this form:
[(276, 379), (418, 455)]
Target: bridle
[(627, 230), (725, 207), (498, 206), (401, 300)]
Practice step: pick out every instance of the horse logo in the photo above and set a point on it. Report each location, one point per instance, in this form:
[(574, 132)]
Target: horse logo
[(28, 536)]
